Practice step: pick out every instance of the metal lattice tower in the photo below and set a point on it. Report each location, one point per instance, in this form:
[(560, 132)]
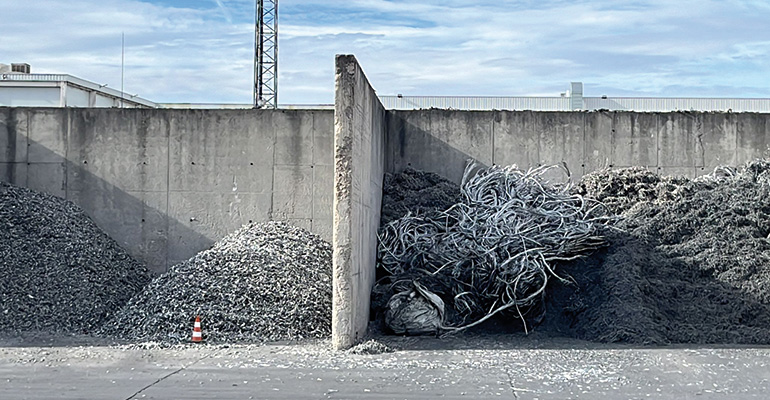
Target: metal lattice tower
[(266, 55)]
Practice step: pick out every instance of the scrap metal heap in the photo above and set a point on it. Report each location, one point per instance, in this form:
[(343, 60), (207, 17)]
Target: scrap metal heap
[(58, 271), (661, 260), (267, 281), (493, 252)]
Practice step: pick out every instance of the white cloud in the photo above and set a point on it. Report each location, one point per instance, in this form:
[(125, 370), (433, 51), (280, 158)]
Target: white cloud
[(205, 54)]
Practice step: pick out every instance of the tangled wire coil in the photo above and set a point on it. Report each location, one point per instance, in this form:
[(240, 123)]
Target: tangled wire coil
[(495, 250)]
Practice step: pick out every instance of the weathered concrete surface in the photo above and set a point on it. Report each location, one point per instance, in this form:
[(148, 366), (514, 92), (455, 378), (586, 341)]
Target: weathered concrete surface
[(510, 367), (679, 143), (439, 140), (166, 184), (359, 166)]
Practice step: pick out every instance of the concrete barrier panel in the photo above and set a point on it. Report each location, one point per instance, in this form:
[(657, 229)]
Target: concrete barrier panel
[(516, 139), (634, 140), (13, 146), (120, 146), (13, 136), (717, 139), (753, 139), (561, 141), (47, 141), (323, 140), (597, 149), (439, 141), (293, 192), (677, 140), (359, 166)]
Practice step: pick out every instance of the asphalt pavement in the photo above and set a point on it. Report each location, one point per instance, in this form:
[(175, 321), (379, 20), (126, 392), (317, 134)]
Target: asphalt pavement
[(468, 367)]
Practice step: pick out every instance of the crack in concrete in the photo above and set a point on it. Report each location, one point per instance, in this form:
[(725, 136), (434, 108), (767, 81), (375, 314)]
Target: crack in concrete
[(510, 383), (161, 379), (514, 389)]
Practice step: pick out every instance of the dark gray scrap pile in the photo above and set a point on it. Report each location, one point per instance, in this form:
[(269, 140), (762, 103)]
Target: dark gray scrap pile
[(692, 265), (492, 252), (58, 271), (416, 192), (265, 282), (621, 189)]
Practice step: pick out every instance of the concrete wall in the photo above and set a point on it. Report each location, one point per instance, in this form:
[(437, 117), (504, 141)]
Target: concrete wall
[(678, 143), (359, 166), (168, 183)]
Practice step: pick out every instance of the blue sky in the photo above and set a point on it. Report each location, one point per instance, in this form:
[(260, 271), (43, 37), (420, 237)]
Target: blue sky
[(202, 50)]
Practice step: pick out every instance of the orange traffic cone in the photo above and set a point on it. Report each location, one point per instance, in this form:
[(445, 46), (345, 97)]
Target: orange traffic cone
[(197, 336)]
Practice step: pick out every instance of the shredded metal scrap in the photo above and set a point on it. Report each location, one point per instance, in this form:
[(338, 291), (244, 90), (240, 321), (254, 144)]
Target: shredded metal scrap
[(690, 264), (494, 251), (265, 282), (58, 271)]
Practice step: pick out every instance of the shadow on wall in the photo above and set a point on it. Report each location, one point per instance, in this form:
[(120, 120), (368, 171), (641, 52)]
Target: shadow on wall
[(138, 221), (677, 143), (438, 141), (167, 184)]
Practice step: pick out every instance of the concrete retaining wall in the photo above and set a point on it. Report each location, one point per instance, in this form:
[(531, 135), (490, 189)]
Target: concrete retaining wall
[(359, 166), (679, 143), (168, 183)]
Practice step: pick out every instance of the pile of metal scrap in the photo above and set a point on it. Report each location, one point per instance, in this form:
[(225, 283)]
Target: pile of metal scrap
[(58, 271), (265, 282), (689, 264), (491, 253)]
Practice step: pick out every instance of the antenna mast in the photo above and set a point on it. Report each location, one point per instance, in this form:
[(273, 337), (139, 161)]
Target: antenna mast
[(266, 55)]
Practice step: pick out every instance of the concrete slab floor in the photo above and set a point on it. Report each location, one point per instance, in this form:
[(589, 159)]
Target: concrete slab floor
[(513, 367)]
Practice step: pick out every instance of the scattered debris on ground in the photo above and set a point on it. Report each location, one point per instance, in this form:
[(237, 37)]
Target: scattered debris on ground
[(59, 271), (266, 282), (492, 252), (370, 347)]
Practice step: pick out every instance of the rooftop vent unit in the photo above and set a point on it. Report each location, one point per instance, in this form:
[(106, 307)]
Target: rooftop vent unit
[(20, 68), (576, 96)]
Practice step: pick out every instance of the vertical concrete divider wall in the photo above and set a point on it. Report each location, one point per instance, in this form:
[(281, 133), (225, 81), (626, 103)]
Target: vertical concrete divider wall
[(359, 167)]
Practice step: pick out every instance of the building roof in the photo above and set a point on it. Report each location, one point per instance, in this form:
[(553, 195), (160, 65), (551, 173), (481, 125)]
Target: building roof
[(640, 104), (20, 79)]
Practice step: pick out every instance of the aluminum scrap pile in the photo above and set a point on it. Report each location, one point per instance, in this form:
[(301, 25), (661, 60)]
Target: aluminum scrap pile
[(265, 282), (59, 272), (493, 252)]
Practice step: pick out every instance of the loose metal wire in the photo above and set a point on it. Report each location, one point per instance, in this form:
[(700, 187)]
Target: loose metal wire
[(495, 251)]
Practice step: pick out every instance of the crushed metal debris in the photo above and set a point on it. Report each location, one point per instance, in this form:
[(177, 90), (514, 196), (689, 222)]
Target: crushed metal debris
[(58, 271), (266, 282)]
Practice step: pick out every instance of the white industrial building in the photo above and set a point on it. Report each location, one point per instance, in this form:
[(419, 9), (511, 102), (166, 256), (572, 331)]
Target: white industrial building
[(20, 88), (573, 100)]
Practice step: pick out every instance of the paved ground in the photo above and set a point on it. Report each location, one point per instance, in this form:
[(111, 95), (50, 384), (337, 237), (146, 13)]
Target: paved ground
[(458, 368)]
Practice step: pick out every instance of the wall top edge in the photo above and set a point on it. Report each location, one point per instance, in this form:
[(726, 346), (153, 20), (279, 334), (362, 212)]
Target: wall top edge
[(686, 112)]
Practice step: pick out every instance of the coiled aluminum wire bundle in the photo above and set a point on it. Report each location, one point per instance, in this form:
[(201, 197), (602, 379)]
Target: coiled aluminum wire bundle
[(494, 251)]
